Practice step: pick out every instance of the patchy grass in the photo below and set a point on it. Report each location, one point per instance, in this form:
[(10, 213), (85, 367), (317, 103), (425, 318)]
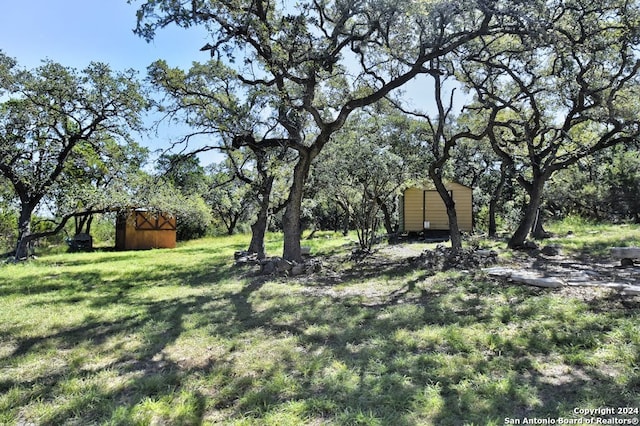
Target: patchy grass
[(184, 337), (579, 236)]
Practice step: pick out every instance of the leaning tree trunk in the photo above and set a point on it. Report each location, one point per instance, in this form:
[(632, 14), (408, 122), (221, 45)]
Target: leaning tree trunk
[(445, 195), (456, 238), (259, 227), (258, 231), (387, 216), (535, 196), (291, 219)]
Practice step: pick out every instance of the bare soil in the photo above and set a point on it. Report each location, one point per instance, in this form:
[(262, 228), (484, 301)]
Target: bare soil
[(585, 277)]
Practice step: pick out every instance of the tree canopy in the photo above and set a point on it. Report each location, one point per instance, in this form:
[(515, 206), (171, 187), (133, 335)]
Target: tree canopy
[(48, 114), (546, 84), (316, 62), (565, 91)]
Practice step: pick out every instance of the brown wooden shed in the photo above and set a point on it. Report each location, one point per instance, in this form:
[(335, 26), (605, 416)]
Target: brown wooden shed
[(141, 229), (423, 209)]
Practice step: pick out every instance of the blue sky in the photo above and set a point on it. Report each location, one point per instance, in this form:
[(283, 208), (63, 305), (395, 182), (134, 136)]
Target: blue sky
[(76, 32)]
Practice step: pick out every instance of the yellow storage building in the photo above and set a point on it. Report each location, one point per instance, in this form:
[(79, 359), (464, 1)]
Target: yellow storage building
[(423, 209)]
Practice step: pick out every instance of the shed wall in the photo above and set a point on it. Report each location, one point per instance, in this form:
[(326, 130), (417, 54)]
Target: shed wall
[(413, 210), (463, 197), (426, 205), (435, 212), (141, 230)]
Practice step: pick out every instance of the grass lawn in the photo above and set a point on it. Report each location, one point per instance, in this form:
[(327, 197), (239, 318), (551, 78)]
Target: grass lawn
[(185, 337)]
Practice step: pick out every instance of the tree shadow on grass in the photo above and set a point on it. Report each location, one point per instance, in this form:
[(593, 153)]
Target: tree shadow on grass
[(368, 373), (131, 347), (140, 366), (101, 288), (431, 351)]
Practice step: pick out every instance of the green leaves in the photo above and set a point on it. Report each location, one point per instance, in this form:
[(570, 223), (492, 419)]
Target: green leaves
[(59, 127), (360, 173)]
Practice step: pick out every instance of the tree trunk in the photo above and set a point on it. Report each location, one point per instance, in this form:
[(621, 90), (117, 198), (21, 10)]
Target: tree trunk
[(388, 225), (83, 224), (535, 196), (493, 203), (89, 222), (79, 223), (538, 232), (231, 227), (346, 220), (24, 231), (456, 239), (258, 231), (291, 218), (493, 227), (259, 227)]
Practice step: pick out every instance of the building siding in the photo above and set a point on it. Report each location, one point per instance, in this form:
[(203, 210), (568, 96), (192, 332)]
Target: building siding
[(435, 211), (413, 210), (463, 197), (141, 230), (421, 206)]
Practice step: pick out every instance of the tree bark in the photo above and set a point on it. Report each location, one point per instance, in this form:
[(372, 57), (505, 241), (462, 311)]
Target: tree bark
[(386, 213), (88, 225), (83, 224), (454, 229), (258, 231), (346, 220), (24, 231), (232, 226), (493, 227), (259, 227), (456, 238), (535, 196), (538, 232), (291, 219), (447, 199)]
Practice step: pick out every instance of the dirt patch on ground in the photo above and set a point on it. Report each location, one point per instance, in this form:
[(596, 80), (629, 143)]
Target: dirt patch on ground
[(401, 252), (580, 273), (583, 277)]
